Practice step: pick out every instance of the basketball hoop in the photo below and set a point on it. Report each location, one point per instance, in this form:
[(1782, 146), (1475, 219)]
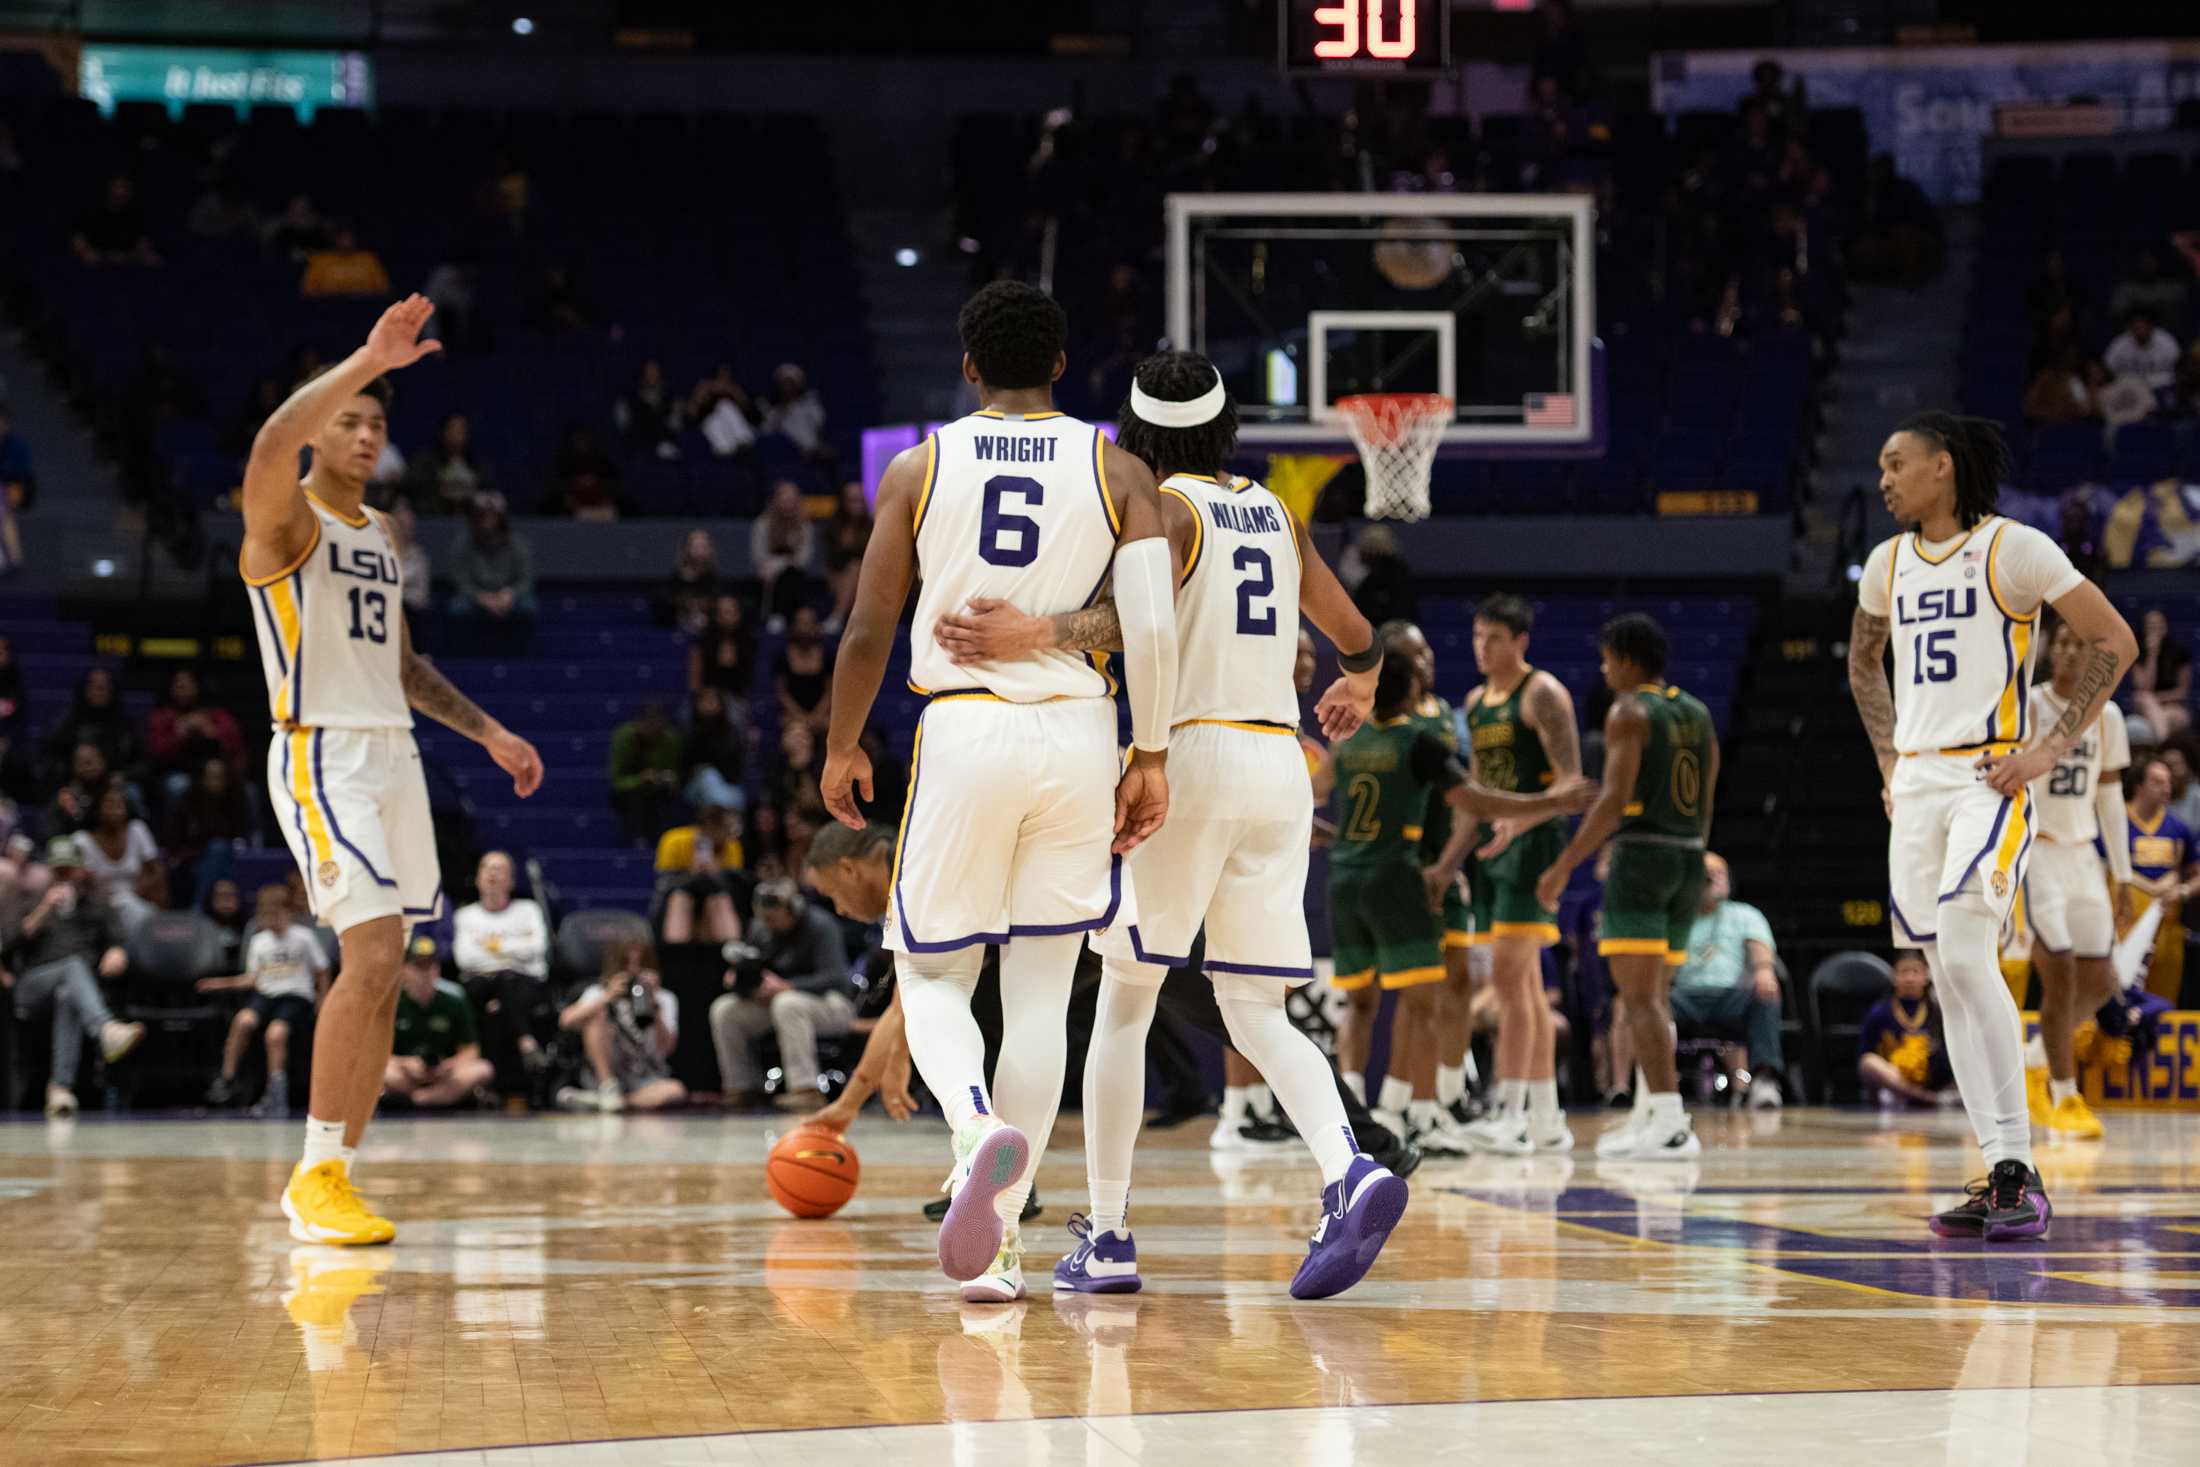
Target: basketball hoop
[(1397, 434)]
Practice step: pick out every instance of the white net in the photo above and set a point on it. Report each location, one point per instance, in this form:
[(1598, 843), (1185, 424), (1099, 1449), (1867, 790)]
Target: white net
[(1397, 434)]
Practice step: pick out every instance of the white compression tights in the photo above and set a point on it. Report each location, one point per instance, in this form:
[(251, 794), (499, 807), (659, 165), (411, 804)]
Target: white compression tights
[(945, 1042), (1036, 975), (1985, 1035)]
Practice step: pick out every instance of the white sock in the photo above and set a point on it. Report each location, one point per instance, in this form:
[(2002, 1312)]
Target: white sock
[(349, 1155), (1260, 1101), (944, 1041), (1451, 1083), (2057, 1089), (1262, 1032), (1985, 1036), (1397, 1095), (1036, 975), (1543, 1099), (1355, 1082), (1665, 1109), (1108, 1216), (324, 1142), (1234, 1097), (1115, 1083), (2035, 1053), (1512, 1095)]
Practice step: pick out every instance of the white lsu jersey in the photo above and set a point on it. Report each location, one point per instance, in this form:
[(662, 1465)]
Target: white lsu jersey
[(1237, 608), (330, 627), (1016, 508), (2065, 795), (1964, 632)]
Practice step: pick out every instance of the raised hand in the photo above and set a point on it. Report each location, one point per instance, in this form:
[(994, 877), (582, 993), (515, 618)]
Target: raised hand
[(395, 340)]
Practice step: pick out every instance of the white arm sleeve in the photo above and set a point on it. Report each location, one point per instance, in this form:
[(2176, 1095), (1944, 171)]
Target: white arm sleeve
[(2108, 806), (1145, 602)]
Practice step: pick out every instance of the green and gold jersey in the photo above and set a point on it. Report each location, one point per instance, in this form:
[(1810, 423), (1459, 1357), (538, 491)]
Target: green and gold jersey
[(1386, 773), (1670, 798), (1508, 752), (1434, 717)]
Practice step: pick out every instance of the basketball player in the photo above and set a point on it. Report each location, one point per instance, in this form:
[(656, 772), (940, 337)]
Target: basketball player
[(1008, 832), (323, 576), (1959, 595), (2066, 891), (1520, 722), (1661, 766)]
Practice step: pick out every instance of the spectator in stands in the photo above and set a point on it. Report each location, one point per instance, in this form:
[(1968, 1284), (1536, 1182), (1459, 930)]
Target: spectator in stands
[(1902, 1050), (724, 657), (184, 732), (435, 1054), (18, 479), (445, 477), (113, 232), (846, 535), (2144, 351), (204, 828), (560, 304), (699, 868), (298, 231), (2052, 291), (492, 612), (14, 700), (501, 945), (1898, 235), (124, 860), (96, 717), (1381, 581), (2184, 789), (797, 985), (54, 947), (628, 1022), (782, 548), (344, 267), (645, 771), (2062, 391), (2161, 683), (692, 585), (647, 414), (722, 409), (224, 907), (798, 413), (585, 482), (2160, 293), (288, 973), (73, 803), (803, 677), (713, 752), (1783, 106), (1561, 51), (1728, 986), (450, 286), (418, 569), (794, 783)]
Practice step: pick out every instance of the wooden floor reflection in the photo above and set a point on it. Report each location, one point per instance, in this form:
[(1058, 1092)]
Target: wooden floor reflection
[(593, 1279)]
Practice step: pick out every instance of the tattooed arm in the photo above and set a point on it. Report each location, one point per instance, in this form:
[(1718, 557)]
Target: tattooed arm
[(2110, 649), (429, 691), (1869, 686), (1549, 709)]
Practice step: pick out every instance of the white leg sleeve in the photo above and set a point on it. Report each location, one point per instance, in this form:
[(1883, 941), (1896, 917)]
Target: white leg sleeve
[(1036, 973), (1115, 1084), (945, 1043), (1294, 1068), (1985, 1036)]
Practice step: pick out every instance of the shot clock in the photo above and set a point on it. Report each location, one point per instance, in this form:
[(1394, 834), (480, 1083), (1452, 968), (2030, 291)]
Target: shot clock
[(1372, 38)]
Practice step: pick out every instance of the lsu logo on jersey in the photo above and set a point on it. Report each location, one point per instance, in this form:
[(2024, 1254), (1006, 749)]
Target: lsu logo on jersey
[(1940, 604), (362, 563)]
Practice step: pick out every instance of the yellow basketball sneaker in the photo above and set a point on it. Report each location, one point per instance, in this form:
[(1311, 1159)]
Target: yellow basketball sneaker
[(323, 1208), (2074, 1118), (2036, 1095)]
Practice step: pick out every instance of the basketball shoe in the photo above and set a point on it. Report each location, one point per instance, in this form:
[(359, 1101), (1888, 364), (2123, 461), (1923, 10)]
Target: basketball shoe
[(2074, 1118), (990, 1155), (2017, 1209), (1103, 1262), (1503, 1133), (1358, 1213), (1003, 1280), (323, 1208), (1653, 1138), (2036, 1095)]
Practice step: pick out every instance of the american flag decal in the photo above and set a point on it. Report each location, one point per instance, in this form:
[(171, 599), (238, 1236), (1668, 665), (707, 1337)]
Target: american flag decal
[(1549, 409)]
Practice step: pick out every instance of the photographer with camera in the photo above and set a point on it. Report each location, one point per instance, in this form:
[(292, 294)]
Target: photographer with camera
[(702, 892), (793, 981), (628, 1022)]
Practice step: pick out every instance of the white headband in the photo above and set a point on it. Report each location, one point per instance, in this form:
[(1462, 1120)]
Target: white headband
[(1163, 413)]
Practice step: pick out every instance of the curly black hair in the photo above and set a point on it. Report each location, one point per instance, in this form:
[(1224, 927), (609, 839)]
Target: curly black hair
[(1179, 376), (1980, 456), (1014, 333), (1639, 639)]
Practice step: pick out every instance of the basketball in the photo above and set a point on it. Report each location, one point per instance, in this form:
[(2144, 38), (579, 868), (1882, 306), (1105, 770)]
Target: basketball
[(812, 1172)]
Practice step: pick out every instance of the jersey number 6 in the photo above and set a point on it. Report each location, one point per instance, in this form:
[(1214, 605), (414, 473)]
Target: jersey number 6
[(995, 547)]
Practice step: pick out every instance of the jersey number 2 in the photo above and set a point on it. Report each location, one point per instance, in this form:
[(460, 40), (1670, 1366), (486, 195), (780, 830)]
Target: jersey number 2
[(370, 616), (995, 547), (1260, 580)]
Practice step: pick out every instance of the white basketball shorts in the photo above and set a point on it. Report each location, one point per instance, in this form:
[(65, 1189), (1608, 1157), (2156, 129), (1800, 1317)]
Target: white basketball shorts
[(2066, 893), (353, 804), (1952, 834), (1232, 857), (1007, 831)]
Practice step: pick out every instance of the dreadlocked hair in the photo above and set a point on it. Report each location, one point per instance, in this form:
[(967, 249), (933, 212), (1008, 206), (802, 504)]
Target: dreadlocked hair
[(1393, 686), (1980, 456), (1179, 376), (1014, 333)]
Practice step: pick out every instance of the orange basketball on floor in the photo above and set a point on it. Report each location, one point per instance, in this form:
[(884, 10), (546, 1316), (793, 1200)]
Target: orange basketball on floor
[(812, 1172)]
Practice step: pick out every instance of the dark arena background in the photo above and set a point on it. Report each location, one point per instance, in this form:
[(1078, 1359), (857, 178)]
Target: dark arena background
[(1609, 306)]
